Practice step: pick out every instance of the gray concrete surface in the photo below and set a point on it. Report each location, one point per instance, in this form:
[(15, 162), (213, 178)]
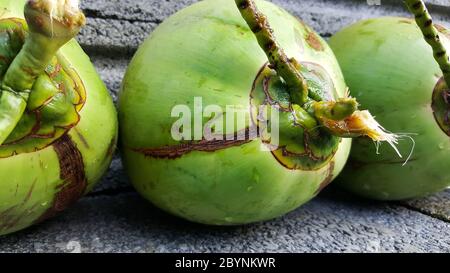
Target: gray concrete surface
[(126, 223), (115, 219)]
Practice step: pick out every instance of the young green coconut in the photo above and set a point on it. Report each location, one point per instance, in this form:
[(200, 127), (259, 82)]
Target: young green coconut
[(220, 53), (390, 67), (58, 125)]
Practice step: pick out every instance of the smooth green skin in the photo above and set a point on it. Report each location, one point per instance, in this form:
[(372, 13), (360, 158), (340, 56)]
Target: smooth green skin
[(98, 126), (390, 69), (207, 50)]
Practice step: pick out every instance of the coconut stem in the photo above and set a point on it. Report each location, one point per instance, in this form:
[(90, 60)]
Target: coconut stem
[(285, 67), (288, 69), (341, 118), (52, 24), (431, 34)]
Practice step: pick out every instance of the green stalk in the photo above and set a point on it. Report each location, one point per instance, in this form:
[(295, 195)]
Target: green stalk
[(285, 67), (431, 34), (52, 24), (341, 117), (288, 69)]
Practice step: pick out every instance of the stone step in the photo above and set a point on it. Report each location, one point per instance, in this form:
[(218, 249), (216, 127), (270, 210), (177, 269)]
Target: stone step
[(437, 206), (127, 223), (115, 219), (120, 26)]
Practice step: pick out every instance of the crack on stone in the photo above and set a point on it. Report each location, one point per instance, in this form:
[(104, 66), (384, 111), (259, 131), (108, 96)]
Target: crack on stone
[(92, 13), (423, 211)]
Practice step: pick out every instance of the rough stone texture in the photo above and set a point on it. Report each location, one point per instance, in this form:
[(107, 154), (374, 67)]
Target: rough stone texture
[(114, 181), (122, 25), (437, 206), (115, 219), (126, 223), (111, 70)]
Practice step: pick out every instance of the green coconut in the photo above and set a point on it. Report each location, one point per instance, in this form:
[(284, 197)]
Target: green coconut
[(390, 68), (217, 53), (58, 124)]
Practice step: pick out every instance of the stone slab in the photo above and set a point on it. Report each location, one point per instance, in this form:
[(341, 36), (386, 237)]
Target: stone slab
[(127, 223)]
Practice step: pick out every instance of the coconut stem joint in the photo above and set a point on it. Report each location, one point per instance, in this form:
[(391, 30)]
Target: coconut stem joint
[(340, 117), (52, 24), (58, 125)]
